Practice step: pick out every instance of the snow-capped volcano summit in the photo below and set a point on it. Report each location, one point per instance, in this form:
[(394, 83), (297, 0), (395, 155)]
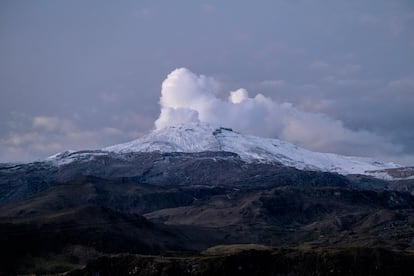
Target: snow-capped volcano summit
[(198, 137)]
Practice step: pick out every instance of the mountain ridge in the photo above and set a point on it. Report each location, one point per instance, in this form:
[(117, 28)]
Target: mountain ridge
[(95, 203), (198, 137)]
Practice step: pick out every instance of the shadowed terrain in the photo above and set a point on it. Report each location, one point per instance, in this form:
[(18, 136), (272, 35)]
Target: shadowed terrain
[(87, 212)]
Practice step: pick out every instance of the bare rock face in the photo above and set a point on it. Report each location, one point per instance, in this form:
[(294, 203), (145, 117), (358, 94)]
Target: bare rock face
[(400, 173), (205, 168)]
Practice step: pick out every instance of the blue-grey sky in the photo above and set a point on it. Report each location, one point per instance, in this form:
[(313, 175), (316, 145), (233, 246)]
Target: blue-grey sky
[(88, 74)]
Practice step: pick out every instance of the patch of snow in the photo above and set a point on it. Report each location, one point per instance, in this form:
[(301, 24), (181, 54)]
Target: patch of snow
[(197, 137), (69, 156)]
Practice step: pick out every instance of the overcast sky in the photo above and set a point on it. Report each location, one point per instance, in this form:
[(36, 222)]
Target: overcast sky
[(88, 74)]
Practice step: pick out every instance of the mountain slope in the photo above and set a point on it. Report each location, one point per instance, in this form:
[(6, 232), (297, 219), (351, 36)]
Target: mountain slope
[(200, 137), (190, 187)]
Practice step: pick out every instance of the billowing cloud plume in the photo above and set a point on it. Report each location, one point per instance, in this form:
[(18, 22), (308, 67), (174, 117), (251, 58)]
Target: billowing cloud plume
[(187, 97)]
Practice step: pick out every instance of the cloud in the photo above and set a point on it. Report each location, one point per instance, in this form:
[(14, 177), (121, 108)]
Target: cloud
[(405, 84), (36, 137), (396, 25), (368, 19), (273, 83), (238, 96), (52, 124), (319, 65), (344, 69), (207, 8), (187, 97), (109, 98), (48, 135)]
